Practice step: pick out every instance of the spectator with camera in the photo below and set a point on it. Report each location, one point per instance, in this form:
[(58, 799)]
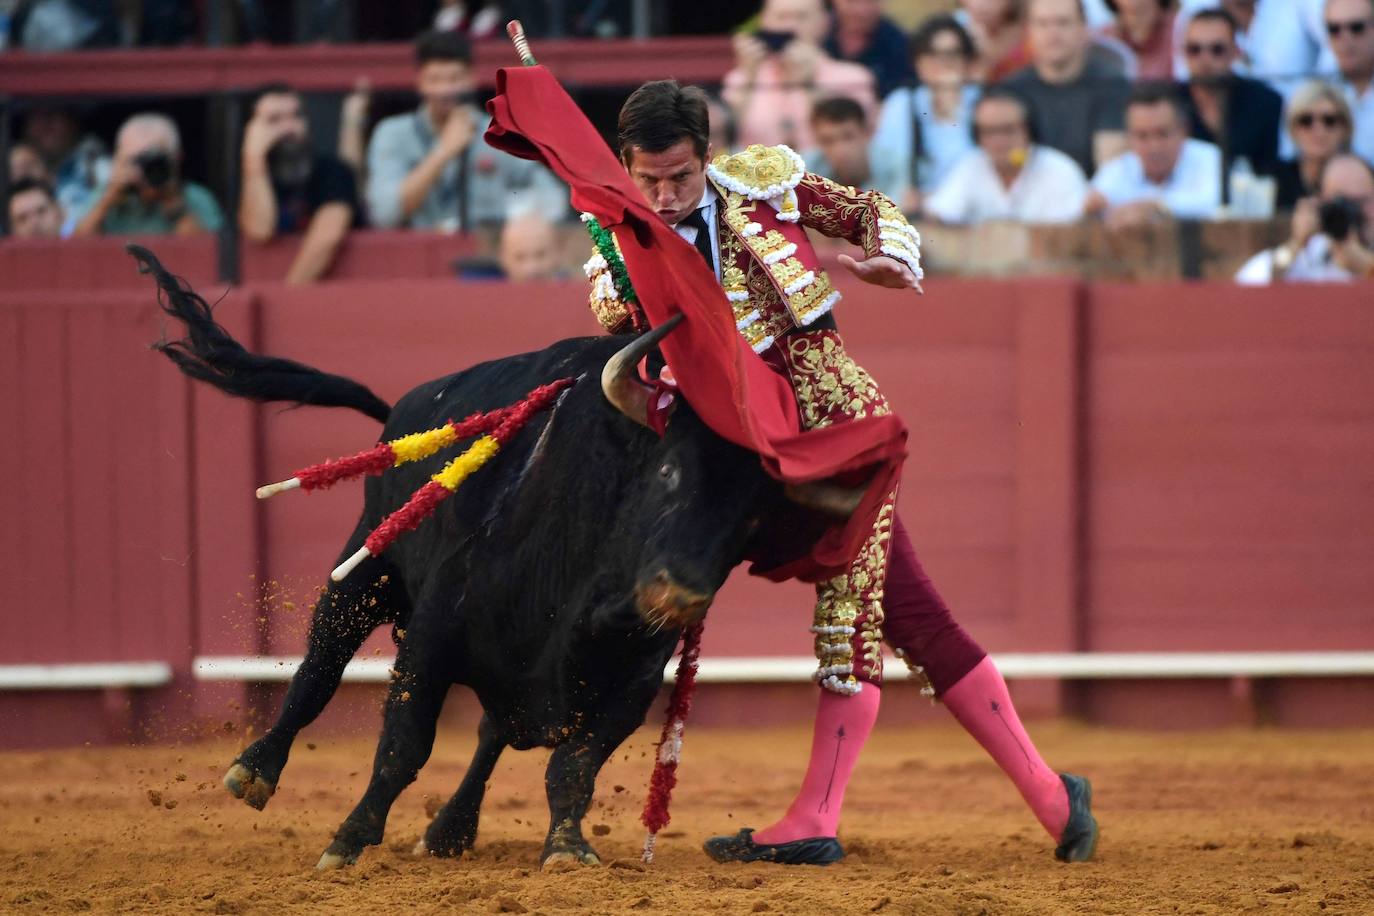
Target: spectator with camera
[(1332, 237), (844, 151), (1350, 28), (1235, 113), (145, 193), (926, 127), (33, 211), (1165, 173), (289, 189), (861, 34), (1077, 98), (1009, 176), (781, 70), (431, 168), (1319, 123)]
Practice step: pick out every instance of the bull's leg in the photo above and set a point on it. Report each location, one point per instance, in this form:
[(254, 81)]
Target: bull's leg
[(454, 829), (344, 617), (409, 719), (570, 780)]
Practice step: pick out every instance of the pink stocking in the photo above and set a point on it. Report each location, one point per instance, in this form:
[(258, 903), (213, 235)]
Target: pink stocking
[(843, 724), (979, 700)]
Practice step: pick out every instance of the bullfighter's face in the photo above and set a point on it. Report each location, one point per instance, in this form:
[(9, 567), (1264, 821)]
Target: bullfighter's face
[(672, 181)]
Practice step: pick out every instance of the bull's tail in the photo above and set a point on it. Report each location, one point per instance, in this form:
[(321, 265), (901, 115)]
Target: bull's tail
[(208, 353)]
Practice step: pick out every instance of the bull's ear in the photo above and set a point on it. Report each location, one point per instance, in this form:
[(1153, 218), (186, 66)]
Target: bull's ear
[(618, 381)]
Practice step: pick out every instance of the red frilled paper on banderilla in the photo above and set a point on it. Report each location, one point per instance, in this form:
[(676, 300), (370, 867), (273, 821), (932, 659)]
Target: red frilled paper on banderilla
[(727, 384)]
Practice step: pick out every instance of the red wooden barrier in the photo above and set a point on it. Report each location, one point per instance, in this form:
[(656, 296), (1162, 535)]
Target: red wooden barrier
[(1109, 468)]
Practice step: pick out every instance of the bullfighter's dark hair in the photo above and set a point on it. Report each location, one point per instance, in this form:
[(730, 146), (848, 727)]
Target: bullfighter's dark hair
[(442, 46), (24, 185), (660, 114), (210, 354), (838, 110), (1154, 92)]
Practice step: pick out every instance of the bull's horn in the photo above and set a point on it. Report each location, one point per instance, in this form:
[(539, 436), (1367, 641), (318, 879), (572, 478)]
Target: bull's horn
[(618, 381), (829, 498)]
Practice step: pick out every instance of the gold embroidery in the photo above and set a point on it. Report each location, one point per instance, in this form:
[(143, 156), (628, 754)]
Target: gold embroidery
[(854, 602), (829, 384), (603, 299), (832, 388), (760, 171)]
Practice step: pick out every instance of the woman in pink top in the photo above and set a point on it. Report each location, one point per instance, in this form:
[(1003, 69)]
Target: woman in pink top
[(1147, 28), (781, 72)]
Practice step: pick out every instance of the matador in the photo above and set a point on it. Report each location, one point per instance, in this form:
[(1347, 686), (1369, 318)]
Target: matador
[(747, 214)]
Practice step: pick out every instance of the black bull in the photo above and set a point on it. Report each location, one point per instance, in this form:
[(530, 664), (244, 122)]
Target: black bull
[(554, 584)]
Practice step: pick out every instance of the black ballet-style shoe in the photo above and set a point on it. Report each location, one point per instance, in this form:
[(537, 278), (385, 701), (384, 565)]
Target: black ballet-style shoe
[(819, 850), (1080, 833)]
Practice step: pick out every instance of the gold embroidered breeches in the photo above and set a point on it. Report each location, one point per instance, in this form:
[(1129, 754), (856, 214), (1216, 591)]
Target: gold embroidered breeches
[(831, 388)]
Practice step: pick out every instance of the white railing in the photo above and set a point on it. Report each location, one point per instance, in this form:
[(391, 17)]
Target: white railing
[(798, 669), (85, 676)]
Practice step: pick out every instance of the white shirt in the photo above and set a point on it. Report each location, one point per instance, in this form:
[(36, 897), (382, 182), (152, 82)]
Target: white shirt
[(708, 210), (1312, 264), (1192, 190), (1362, 107), (1050, 189)]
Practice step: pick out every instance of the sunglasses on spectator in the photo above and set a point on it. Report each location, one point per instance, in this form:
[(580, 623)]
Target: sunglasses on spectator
[(1330, 121), (1215, 49), (1355, 27)]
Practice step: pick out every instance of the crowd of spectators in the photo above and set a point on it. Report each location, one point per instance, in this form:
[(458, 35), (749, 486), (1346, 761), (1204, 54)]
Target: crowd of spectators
[(1059, 111), (1035, 111)]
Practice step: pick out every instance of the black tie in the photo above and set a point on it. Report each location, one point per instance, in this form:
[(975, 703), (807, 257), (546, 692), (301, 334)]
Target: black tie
[(697, 220)]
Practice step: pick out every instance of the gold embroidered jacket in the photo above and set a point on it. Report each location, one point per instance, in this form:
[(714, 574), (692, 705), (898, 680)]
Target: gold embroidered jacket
[(770, 272)]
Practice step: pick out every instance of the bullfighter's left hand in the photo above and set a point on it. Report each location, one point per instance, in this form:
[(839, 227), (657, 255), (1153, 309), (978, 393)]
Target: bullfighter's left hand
[(883, 271)]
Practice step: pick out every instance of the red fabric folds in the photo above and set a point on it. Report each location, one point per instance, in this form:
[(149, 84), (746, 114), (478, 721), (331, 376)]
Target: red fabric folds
[(727, 384)]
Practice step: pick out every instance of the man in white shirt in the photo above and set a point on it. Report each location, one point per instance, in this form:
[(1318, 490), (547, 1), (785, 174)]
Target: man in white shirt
[(1350, 28), (1287, 42), (1008, 176), (1165, 173), (1331, 241)]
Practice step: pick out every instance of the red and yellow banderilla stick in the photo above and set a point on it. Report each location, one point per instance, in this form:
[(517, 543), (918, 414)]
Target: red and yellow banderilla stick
[(442, 485)]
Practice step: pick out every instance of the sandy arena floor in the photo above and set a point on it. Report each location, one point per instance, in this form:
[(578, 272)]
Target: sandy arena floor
[(1222, 822)]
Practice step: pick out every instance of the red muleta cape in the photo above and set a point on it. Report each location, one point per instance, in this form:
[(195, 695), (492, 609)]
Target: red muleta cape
[(733, 391)]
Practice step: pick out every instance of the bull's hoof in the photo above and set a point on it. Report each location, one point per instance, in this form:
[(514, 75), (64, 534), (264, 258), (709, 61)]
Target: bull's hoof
[(245, 784), (444, 849), (420, 850), (333, 861), (567, 860), (337, 856)]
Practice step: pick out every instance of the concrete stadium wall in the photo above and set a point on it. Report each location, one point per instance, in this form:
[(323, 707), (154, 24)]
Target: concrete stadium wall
[(1167, 467)]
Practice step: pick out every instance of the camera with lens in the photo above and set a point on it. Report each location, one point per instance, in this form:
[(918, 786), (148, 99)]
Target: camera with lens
[(157, 167), (1339, 217)]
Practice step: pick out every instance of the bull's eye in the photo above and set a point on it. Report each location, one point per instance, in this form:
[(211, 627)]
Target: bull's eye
[(670, 474)]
